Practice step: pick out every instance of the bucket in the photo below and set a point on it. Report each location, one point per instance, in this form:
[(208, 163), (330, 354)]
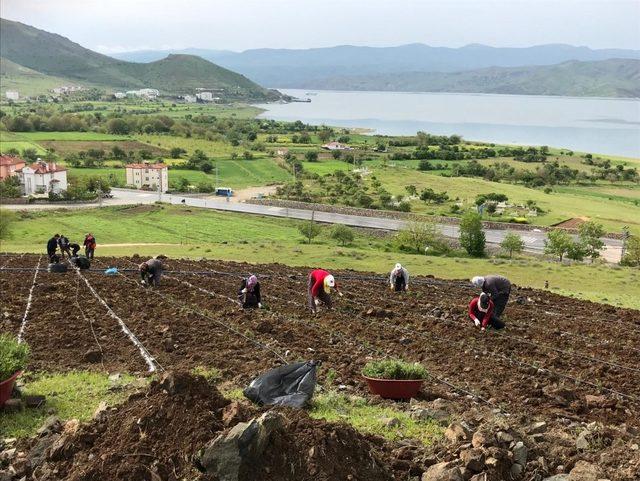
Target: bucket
[(6, 387), (394, 388)]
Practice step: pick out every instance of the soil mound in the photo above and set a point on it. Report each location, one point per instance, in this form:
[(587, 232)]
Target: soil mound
[(150, 437)]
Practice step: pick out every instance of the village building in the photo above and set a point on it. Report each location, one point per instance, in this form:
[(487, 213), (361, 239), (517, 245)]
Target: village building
[(12, 95), (42, 178), (148, 176), (282, 152), (9, 165), (190, 99), (336, 146), (205, 96), (120, 95)]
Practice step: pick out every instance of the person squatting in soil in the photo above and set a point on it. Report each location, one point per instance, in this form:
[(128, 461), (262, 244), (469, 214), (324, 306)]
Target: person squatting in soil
[(399, 279), (89, 245), (151, 271), (481, 310), (319, 289), (75, 248), (63, 243), (499, 288), (52, 246), (249, 293)]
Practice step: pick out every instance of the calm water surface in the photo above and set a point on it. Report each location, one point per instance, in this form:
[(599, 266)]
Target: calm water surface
[(606, 126)]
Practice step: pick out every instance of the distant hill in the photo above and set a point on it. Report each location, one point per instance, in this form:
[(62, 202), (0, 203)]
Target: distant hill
[(295, 68), (54, 55), (25, 80), (605, 78)]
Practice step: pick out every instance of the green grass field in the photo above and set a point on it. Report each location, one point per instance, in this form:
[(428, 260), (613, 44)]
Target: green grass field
[(198, 233)]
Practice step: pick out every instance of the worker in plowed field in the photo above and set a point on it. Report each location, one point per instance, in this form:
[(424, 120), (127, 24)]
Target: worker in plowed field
[(75, 248), (399, 279), (52, 246), (498, 287), (481, 311), (151, 271), (89, 245), (319, 289), (249, 293), (63, 243)]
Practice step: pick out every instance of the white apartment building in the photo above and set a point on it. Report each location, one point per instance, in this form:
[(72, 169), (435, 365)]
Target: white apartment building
[(12, 95), (148, 176), (205, 96)]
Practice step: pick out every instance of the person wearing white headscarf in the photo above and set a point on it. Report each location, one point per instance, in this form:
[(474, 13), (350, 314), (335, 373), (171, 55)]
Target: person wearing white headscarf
[(399, 278), (249, 293)]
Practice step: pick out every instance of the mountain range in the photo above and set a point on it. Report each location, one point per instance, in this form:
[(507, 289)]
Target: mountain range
[(52, 55), (386, 68)]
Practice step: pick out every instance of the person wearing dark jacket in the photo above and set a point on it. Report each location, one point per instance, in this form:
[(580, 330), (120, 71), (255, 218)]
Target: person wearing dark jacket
[(74, 249), (89, 245), (52, 246), (249, 293), (481, 310), (63, 243), (399, 279), (151, 271), (498, 287)]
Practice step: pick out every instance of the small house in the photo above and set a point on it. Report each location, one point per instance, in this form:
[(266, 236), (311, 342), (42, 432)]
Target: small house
[(9, 165), (42, 178), (336, 146)]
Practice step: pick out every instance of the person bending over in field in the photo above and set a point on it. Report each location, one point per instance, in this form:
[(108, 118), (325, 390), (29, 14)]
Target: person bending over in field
[(151, 271), (399, 279), (52, 246), (481, 310), (319, 289), (249, 293), (498, 287), (75, 248)]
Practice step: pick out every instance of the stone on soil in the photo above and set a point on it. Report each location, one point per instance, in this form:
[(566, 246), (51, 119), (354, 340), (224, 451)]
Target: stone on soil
[(443, 472), (457, 432), (584, 471)]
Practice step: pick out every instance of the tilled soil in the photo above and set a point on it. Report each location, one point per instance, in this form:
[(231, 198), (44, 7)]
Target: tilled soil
[(555, 352)]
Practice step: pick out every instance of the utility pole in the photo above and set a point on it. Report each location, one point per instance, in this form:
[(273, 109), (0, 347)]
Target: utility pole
[(625, 237), (99, 192)]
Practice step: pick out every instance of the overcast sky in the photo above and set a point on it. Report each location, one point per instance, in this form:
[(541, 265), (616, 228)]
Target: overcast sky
[(121, 25)]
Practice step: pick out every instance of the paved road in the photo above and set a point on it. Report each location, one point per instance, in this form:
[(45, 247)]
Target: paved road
[(534, 240)]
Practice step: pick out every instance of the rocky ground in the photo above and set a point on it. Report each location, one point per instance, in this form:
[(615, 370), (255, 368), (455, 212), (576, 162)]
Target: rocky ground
[(556, 393)]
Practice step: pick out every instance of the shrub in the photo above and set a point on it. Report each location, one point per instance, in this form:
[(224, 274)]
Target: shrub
[(13, 356), (342, 234), (472, 237), (394, 369)]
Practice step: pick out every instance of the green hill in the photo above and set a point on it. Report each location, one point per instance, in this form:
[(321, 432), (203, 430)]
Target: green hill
[(57, 56), (604, 78)]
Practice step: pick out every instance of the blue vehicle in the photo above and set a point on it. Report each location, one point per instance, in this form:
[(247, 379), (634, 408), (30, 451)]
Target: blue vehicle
[(224, 191)]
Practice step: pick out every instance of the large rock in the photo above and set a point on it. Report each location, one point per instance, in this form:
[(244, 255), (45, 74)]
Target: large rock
[(443, 472), (456, 432), (520, 454), (473, 459), (583, 440), (584, 471), (241, 446)]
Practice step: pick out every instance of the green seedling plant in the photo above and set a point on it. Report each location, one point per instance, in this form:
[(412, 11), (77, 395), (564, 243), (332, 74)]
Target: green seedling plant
[(13, 356), (394, 369)]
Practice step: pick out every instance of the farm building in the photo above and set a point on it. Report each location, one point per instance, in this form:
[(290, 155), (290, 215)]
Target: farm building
[(12, 95), (148, 176), (9, 165), (336, 146), (43, 177)]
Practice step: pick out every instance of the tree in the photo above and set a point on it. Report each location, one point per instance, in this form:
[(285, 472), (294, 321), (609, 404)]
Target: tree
[(118, 127), (411, 189), (418, 235), (324, 134), (30, 154), (472, 237), (7, 218), (310, 230), (632, 252), (342, 234), (512, 243), (558, 243), (176, 152), (311, 156), (590, 233), (118, 153)]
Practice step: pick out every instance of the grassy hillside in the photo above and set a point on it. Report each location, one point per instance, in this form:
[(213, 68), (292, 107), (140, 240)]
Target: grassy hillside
[(605, 78), (192, 232), (55, 55), (25, 80)]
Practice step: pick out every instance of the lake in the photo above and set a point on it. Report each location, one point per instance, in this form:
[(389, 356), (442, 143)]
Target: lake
[(598, 125)]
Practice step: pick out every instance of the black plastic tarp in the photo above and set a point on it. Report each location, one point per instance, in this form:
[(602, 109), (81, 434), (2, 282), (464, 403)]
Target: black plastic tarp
[(289, 385)]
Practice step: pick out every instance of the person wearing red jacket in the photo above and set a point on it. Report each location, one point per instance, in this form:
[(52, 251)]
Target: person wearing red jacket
[(320, 285), (481, 310)]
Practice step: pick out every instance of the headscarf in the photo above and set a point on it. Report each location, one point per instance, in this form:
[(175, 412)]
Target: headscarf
[(329, 282), (478, 281), (251, 282), (483, 302)]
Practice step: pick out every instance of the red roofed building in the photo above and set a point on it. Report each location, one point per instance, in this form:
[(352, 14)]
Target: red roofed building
[(42, 178), (9, 165), (148, 176)]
